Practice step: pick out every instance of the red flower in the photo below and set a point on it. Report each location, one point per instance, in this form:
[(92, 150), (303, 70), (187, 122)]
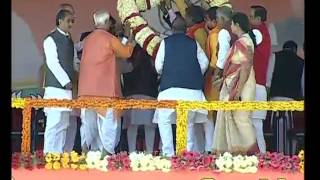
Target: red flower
[(201, 168), (184, 153), (126, 162), (207, 160), (39, 153), (40, 166), (126, 167), (268, 154), (275, 164), (288, 165), (15, 165), (29, 167), (196, 154), (295, 158), (261, 165)]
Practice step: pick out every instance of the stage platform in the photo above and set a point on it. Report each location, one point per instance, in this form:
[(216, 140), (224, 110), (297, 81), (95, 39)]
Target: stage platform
[(42, 174)]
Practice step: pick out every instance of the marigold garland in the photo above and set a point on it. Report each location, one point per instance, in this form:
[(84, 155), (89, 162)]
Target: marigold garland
[(120, 104), (301, 157), (182, 115), (26, 130), (186, 161), (17, 102)]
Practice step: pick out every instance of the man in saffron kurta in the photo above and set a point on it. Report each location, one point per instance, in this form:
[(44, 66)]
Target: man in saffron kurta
[(100, 77), (194, 17), (196, 25), (211, 92)]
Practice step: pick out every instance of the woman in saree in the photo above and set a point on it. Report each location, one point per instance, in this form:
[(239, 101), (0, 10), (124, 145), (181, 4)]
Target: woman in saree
[(234, 131)]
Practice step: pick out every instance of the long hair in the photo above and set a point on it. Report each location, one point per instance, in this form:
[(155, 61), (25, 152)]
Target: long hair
[(243, 21)]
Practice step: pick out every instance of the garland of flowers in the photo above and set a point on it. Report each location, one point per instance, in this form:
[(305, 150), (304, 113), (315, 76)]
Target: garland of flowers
[(181, 131), (119, 161), (129, 11), (242, 164), (28, 161), (152, 104), (17, 103), (182, 108), (301, 164), (278, 161), (147, 162), (26, 129), (71, 160), (219, 3), (191, 161)]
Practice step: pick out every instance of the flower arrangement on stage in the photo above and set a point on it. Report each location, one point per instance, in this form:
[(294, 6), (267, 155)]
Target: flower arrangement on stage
[(65, 160), (190, 161), (28, 161), (301, 164), (242, 164), (95, 160), (193, 161), (147, 162), (119, 161), (278, 161)]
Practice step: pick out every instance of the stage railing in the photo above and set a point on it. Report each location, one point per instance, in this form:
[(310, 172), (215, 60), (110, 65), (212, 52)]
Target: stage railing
[(181, 107)]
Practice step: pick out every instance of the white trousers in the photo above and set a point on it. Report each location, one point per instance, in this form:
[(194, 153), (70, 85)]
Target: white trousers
[(165, 130), (258, 125), (56, 130), (203, 133), (259, 116), (149, 134), (99, 132), (71, 134)]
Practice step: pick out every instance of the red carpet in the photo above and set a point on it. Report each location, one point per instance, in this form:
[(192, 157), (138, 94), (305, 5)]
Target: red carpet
[(117, 175)]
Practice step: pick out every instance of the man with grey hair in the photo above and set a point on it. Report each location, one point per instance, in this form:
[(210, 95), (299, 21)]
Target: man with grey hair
[(100, 78), (225, 39)]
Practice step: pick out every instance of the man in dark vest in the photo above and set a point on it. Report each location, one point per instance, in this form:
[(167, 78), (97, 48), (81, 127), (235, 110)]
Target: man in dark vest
[(59, 55), (181, 62), (285, 74), (140, 83)]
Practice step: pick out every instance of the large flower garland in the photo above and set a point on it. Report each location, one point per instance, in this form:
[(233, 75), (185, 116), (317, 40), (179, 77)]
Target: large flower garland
[(129, 11), (191, 161), (218, 3), (182, 108)]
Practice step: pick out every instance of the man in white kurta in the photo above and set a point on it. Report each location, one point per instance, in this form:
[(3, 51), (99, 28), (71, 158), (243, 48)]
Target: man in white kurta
[(175, 49), (58, 118)]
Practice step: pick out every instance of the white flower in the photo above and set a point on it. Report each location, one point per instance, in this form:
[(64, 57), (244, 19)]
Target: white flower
[(152, 168), (144, 168), (92, 159), (227, 170), (228, 163), (102, 166), (134, 164), (227, 155), (252, 169), (165, 170), (135, 168)]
